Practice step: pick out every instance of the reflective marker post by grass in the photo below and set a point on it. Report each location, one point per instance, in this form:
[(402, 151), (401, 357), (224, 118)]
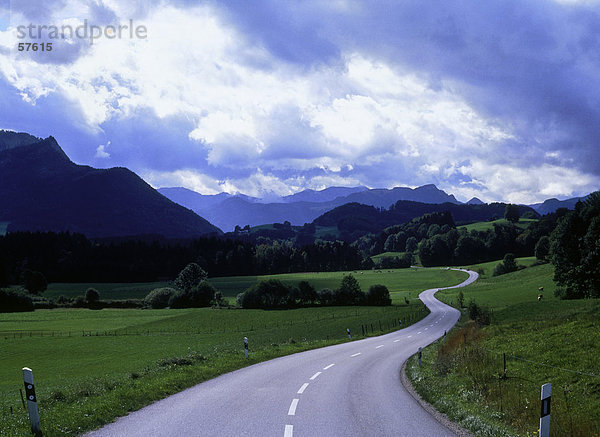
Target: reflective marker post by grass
[(246, 347), (545, 411), (34, 418)]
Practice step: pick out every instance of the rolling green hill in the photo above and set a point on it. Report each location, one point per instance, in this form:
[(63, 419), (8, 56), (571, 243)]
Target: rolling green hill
[(550, 340), (484, 226)]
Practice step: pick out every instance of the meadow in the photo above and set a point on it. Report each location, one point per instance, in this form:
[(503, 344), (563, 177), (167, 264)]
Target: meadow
[(484, 226), (401, 283), (543, 341), (91, 366)]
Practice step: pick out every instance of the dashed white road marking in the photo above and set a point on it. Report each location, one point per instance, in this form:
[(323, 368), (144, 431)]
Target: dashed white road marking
[(292, 410), (419, 332), (289, 431), (379, 346), (303, 388), (315, 376), (409, 336), (356, 354), (329, 367), (396, 341), (425, 329)]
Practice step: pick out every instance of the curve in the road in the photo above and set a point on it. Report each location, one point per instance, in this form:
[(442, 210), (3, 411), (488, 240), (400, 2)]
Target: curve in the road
[(351, 389)]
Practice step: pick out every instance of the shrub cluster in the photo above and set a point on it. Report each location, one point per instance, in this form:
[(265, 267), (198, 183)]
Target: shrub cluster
[(395, 262), (159, 297), (480, 314), (14, 301), (192, 291), (272, 293), (507, 265)]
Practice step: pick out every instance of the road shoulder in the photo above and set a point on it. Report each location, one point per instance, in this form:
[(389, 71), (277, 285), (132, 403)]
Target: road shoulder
[(440, 417)]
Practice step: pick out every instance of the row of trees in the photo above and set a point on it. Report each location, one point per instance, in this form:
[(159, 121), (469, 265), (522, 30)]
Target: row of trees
[(575, 250), (272, 293), (65, 257)]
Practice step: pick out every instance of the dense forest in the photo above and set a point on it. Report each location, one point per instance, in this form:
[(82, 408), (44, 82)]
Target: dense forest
[(66, 257)]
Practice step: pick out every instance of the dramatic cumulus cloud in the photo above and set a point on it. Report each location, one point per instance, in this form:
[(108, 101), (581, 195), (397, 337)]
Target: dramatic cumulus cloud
[(490, 99)]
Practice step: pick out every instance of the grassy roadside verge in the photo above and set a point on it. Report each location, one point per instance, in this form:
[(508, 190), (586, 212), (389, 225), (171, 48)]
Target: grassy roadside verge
[(547, 341), (94, 402), (85, 381)]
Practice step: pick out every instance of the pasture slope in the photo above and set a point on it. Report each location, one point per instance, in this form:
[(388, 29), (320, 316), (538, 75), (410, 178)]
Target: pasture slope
[(92, 366), (544, 341)]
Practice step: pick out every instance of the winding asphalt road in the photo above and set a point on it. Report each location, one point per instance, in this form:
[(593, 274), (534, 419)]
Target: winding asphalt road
[(351, 389)]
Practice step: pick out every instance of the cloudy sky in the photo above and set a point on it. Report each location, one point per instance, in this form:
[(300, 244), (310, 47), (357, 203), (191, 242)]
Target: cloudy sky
[(498, 99)]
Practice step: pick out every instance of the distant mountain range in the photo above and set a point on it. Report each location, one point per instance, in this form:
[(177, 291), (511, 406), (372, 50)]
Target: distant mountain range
[(551, 205), (42, 189), (226, 211)]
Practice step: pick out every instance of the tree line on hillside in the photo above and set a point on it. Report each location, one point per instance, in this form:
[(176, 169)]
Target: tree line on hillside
[(569, 239), (354, 220), (66, 257), (437, 240), (575, 250)]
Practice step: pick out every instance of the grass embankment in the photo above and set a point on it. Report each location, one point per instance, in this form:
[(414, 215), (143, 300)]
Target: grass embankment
[(547, 341), (93, 366)]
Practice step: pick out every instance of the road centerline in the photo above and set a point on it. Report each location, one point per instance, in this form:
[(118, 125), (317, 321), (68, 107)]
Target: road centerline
[(301, 390), (293, 406), (329, 367), (289, 431), (315, 376), (377, 347), (356, 354)]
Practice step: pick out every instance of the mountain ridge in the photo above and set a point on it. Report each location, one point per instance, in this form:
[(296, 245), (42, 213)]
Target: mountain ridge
[(237, 210), (41, 189)]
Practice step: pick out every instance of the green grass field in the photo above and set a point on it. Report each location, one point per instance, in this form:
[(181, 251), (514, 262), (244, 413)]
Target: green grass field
[(547, 341), (401, 283), (388, 255), (484, 226), (108, 291), (92, 366)]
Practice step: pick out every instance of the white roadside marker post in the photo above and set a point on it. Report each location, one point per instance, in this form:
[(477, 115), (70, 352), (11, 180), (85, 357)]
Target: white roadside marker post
[(348, 331), (545, 411), (246, 347), (34, 417)]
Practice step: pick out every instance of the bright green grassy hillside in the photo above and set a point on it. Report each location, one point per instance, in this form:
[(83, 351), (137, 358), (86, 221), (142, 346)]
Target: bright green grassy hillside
[(388, 255), (484, 226), (547, 341)]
